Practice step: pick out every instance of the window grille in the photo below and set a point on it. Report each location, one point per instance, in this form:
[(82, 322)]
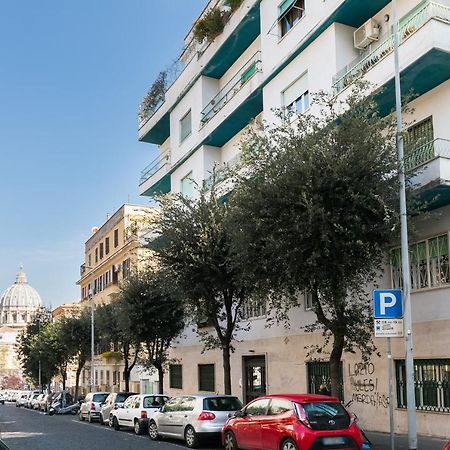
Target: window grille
[(431, 384), (253, 308), (176, 376), (206, 378), (319, 373), (419, 134), (429, 264)]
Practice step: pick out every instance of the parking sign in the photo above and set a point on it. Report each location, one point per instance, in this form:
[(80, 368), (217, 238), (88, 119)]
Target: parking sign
[(387, 304)]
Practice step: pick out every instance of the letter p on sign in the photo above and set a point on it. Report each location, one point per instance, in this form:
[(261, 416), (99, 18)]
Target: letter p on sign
[(388, 304)]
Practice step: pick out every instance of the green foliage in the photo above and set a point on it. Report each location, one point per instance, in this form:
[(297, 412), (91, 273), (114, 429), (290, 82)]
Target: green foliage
[(234, 4), (210, 25), (317, 212), (155, 311), (154, 97), (198, 254)]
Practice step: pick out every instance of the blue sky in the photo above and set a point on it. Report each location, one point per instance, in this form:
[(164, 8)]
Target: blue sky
[(72, 74)]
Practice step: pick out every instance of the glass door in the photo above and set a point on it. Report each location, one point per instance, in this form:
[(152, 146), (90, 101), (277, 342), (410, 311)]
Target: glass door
[(254, 377)]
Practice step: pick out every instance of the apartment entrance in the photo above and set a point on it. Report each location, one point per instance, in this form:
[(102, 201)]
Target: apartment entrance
[(254, 377)]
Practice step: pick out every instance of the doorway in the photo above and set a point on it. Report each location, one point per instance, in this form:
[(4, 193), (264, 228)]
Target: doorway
[(254, 377)]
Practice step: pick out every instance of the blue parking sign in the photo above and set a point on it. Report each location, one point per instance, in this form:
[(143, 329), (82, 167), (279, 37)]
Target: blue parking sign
[(387, 304)]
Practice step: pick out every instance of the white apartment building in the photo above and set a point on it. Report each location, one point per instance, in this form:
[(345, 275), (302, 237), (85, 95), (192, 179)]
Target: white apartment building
[(274, 54)]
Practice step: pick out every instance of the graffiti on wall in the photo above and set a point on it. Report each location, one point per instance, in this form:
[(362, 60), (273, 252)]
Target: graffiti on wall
[(364, 385)]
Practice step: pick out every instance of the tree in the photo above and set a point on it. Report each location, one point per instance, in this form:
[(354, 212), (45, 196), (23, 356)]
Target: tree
[(116, 327), (197, 251), (156, 316), (316, 211)]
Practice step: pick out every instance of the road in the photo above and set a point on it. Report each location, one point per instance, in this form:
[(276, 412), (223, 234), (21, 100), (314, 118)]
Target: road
[(23, 429)]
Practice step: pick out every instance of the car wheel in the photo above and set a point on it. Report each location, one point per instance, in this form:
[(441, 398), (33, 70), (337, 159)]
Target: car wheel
[(230, 441), (137, 427), (153, 431), (102, 422), (80, 416), (110, 421), (289, 444), (191, 438), (116, 424)]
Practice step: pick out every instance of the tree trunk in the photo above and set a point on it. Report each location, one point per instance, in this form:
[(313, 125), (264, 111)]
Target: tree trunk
[(64, 378), (77, 383), (126, 379), (160, 378), (335, 366), (226, 369)]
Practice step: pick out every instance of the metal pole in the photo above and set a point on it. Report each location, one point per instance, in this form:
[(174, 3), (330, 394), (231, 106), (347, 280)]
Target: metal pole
[(92, 347), (391, 394), (40, 368), (409, 361)]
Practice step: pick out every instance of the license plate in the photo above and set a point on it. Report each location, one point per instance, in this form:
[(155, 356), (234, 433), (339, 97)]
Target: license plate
[(333, 440)]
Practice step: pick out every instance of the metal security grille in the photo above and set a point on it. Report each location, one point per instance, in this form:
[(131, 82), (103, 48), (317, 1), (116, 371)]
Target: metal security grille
[(253, 308), (431, 383), (176, 376), (319, 373), (429, 264)]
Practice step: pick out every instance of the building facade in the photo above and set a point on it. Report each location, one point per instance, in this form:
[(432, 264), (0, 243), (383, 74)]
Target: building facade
[(111, 253), (273, 55), (18, 305)]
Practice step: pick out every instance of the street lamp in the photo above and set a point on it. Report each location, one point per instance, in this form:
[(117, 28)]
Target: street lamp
[(91, 298), (409, 360)]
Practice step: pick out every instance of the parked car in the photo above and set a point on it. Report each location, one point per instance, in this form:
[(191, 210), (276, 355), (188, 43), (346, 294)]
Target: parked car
[(193, 417), (90, 408), (21, 399), (32, 400), (2, 399), (37, 402), (447, 446), (292, 422), (113, 401), (136, 411)]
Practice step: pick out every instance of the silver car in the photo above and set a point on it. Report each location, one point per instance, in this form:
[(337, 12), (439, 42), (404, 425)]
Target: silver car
[(193, 417), (113, 401)]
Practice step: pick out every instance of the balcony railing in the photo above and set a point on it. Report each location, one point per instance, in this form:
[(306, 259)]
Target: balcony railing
[(421, 155), (221, 173), (157, 164), (249, 69), (409, 24)]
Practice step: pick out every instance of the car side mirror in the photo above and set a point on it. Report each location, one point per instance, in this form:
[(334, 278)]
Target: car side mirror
[(236, 414)]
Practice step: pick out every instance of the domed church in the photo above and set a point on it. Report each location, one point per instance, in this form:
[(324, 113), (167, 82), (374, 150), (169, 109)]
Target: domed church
[(18, 305)]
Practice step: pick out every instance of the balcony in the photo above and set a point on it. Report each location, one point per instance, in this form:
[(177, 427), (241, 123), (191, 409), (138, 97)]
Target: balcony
[(430, 168), (424, 56), (155, 178)]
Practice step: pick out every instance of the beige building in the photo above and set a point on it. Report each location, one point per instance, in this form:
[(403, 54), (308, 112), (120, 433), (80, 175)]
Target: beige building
[(275, 54), (111, 253)]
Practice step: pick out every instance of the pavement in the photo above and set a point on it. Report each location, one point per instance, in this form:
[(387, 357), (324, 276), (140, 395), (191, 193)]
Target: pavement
[(383, 441)]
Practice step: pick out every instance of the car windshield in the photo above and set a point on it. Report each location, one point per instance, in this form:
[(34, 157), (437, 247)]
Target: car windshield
[(222, 404), (154, 402), (99, 398)]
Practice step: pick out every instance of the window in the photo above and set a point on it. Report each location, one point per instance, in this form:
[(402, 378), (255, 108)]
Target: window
[(187, 186), (176, 376), (319, 373), (206, 380), (96, 255), (108, 377), (89, 260), (186, 404), (185, 126), (222, 404), (308, 300), (126, 268), (172, 404), (431, 383), (107, 246), (101, 250), (257, 408), (296, 96), (419, 134), (289, 14), (253, 308), (116, 238), (279, 406), (428, 264)]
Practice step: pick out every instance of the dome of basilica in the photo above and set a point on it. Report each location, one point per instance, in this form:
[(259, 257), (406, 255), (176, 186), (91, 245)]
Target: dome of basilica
[(19, 302)]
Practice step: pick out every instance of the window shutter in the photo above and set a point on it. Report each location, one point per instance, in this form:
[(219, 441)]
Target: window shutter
[(295, 90), (284, 7)]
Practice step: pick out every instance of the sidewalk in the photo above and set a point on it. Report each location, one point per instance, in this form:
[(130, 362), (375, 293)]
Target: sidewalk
[(382, 441)]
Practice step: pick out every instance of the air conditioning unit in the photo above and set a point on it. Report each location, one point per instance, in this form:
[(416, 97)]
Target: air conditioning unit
[(116, 267), (366, 34)]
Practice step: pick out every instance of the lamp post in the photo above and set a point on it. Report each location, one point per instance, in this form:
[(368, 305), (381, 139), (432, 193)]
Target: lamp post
[(91, 298), (40, 368), (409, 360)]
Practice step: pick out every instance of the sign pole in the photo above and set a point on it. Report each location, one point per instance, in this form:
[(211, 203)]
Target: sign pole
[(391, 392)]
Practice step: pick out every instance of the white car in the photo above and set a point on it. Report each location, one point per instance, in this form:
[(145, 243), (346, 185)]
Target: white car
[(2, 399), (137, 410), (90, 408)]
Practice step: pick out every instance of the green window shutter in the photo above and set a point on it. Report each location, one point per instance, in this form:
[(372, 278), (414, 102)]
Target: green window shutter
[(185, 126), (206, 378), (285, 6), (176, 376), (295, 90), (248, 73)]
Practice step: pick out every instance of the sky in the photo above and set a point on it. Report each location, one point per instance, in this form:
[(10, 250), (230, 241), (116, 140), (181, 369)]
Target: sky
[(72, 75)]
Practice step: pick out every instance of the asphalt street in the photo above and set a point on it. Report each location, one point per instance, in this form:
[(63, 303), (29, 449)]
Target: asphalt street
[(23, 429)]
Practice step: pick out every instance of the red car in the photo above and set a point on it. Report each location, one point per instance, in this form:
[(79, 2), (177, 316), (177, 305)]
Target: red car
[(292, 422), (447, 446)]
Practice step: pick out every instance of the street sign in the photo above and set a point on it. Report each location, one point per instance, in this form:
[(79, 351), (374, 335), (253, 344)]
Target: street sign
[(387, 304), (388, 328)]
